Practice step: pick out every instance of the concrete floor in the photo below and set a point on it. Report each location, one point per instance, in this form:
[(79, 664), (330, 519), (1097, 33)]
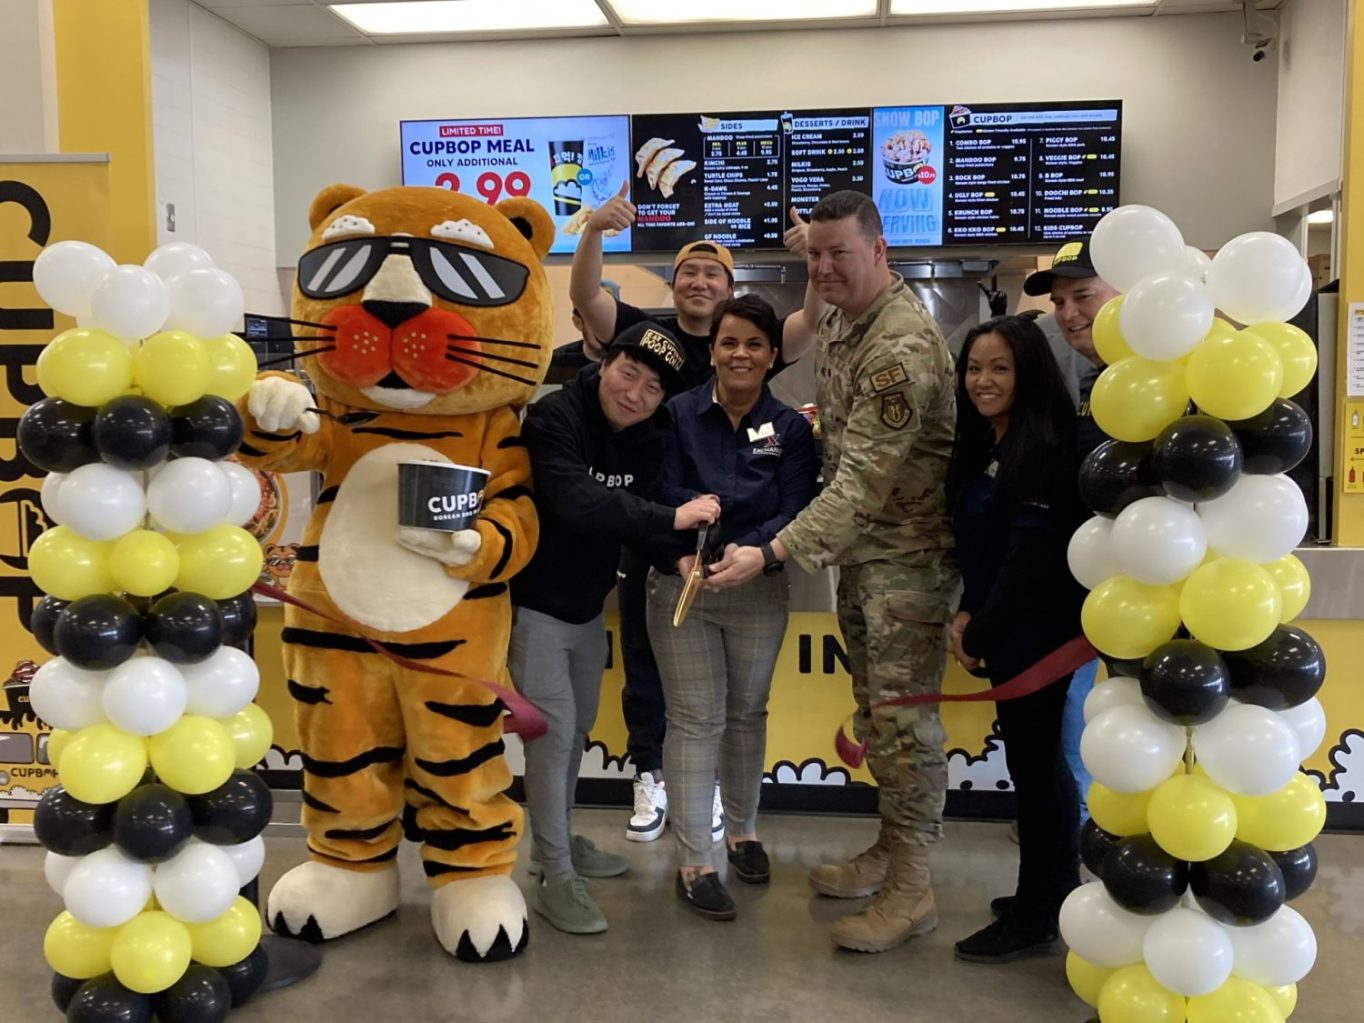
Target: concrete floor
[(660, 962)]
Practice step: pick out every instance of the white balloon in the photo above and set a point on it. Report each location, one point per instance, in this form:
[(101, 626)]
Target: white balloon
[(1277, 952), (57, 868), (248, 858), (1308, 721), (175, 258), (1188, 952), (221, 685), (1112, 692), (1196, 262), (1132, 242), (1100, 931), (1158, 540), (1129, 749), (131, 303), (145, 695), (1090, 554), (107, 889), (101, 502), (51, 497), (1260, 519), (1248, 750), (67, 273), (207, 302), (1257, 277), (198, 884), (246, 495), (189, 495), (65, 696), (1165, 315)]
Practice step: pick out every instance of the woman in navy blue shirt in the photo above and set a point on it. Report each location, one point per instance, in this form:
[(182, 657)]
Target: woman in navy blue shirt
[(1012, 487), (729, 437)]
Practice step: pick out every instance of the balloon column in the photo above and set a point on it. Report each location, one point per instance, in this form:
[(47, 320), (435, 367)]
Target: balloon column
[(1202, 824), (156, 822)]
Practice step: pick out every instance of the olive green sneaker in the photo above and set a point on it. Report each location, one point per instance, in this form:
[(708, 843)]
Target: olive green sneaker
[(564, 902), (589, 861)]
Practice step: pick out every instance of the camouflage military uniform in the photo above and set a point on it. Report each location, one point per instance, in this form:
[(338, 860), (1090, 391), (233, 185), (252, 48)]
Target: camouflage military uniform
[(887, 407)]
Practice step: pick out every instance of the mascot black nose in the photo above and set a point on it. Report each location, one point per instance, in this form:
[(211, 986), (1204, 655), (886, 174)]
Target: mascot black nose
[(393, 313)]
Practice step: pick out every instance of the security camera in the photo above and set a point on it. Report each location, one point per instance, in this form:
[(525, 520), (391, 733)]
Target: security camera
[(1263, 48), (1263, 41)]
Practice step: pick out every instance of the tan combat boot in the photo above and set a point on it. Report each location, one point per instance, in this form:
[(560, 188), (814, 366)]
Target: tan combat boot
[(863, 875), (904, 909)]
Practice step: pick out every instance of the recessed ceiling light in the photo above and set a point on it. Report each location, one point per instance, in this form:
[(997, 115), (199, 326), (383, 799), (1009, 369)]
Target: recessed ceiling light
[(422, 16), (652, 12), (1321, 217), (909, 7)]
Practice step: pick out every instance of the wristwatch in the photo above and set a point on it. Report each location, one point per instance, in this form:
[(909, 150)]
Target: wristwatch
[(771, 564)]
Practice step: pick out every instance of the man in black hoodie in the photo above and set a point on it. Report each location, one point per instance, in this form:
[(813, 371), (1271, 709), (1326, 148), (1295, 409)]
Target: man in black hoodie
[(596, 451)]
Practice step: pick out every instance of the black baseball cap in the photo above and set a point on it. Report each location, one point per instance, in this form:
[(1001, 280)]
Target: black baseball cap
[(1072, 261), (656, 348)]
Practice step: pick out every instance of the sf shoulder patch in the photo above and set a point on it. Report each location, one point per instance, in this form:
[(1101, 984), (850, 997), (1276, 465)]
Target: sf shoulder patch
[(887, 377), (894, 411)]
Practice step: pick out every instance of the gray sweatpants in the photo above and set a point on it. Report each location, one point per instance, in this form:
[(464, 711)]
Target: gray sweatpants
[(557, 667), (717, 673)]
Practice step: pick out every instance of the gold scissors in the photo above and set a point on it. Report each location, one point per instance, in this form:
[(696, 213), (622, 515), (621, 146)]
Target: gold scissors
[(695, 577)]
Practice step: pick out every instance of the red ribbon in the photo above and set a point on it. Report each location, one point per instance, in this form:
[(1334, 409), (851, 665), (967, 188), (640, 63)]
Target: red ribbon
[(1056, 665), (522, 718)]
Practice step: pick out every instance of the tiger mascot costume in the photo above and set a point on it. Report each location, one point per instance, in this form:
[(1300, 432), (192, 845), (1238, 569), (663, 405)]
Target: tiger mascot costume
[(432, 324)]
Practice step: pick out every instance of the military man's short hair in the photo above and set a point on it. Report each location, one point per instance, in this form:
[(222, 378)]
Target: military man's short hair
[(844, 204)]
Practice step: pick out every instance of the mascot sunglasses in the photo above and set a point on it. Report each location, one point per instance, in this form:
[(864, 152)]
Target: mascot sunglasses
[(457, 274)]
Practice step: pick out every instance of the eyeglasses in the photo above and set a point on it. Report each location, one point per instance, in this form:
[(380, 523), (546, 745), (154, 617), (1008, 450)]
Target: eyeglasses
[(455, 273)]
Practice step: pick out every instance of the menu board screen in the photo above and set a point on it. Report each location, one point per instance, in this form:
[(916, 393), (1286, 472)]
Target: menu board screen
[(907, 154)]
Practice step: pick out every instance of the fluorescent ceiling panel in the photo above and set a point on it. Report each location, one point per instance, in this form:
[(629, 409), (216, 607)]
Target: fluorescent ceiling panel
[(446, 16), (901, 8), (654, 12), (1321, 217)]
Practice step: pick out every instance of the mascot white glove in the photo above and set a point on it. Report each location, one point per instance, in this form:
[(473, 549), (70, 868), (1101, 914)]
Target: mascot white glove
[(280, 405), (454, 549)]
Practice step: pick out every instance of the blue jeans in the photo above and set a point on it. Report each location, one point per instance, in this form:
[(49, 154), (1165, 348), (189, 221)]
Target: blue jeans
[(1072, 724)]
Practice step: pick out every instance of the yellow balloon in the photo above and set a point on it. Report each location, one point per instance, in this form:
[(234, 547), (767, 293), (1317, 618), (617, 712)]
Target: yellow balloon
[(1108, 339), (1282, 820), (195, 755), (1296, 351), (1294, 583), (1132, 995), (1118, 813), (151, 952), (172, 367), (1191, 818), (1286, 998), (220, 562), (234, 366), (85, 366), (1230, 604), (1086, 979), (74, 949), (102, 763), (144, 562), (1220, 328), (251, 731), (1234, 377), (57, 741), (1127, 619), (229, 938), (1236, 1001), (1133, 400), (68, 565)]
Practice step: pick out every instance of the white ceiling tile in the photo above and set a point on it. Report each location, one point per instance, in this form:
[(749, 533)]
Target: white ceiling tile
[(291, 25)]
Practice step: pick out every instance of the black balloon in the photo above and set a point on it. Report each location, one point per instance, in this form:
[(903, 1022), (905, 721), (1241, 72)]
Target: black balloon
[(1142, 877), (104, 1000), (132, 432), (1095, 845), (43, 621), (246, 977), (1118, 668), (57, 436), (1196, 458), (152, 823), (239, 618), (63, 990), (208, 428), (184, 627), (1115, 474), (1285, 670), (1299, 868), (1242, 886), (68, 827), (235, 812), (1185, 681), (202, 995), (1276, 440), (98, 632)]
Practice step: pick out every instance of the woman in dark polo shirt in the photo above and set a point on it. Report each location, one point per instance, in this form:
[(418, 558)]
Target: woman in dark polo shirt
[(729, 437)]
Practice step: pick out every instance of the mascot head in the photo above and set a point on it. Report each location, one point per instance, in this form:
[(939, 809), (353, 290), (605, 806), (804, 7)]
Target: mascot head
[(424, 300)]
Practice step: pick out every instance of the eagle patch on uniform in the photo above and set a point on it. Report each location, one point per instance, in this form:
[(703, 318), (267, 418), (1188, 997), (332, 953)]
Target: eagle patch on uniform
[(885, 379), (894, 411)]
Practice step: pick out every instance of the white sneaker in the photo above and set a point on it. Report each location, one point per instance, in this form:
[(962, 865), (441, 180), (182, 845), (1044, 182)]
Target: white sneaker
[(717, 816), (651, 809)]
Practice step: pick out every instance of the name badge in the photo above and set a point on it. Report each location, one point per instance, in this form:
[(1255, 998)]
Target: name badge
[(761, 432)]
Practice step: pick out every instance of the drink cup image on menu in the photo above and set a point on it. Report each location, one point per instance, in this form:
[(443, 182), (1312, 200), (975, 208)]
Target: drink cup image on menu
[(600, 176), (565, 164)]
